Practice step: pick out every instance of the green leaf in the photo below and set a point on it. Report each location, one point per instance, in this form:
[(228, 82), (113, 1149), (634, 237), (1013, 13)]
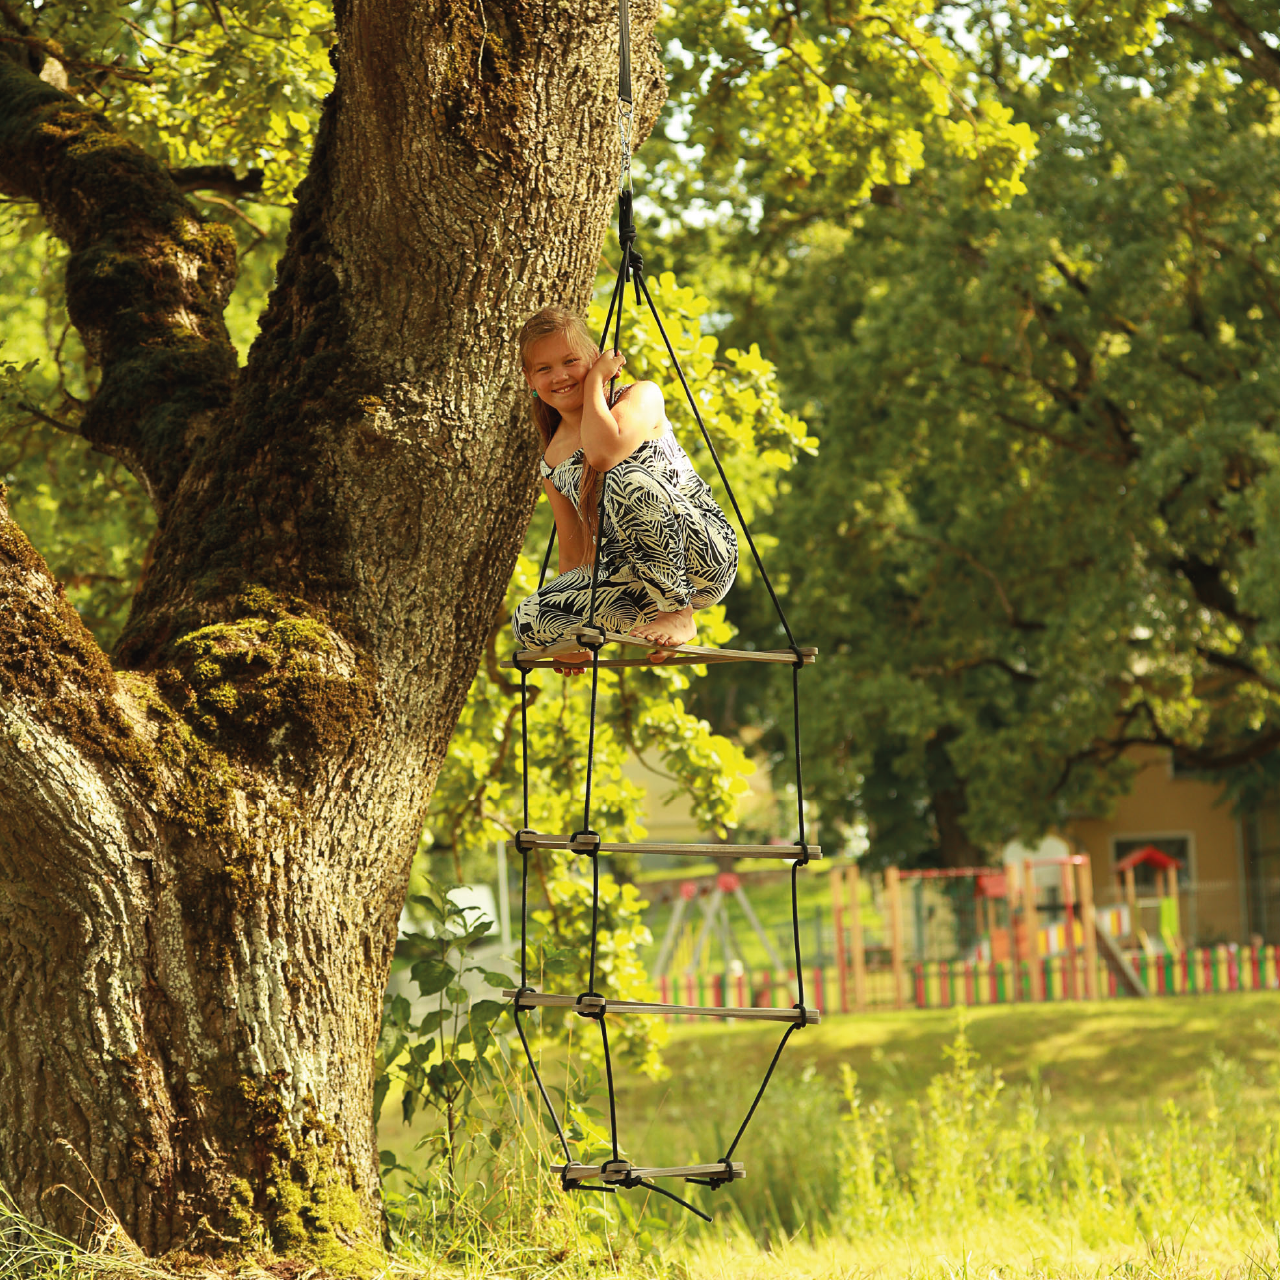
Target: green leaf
[(381, 1087), (432, 975), (433, 1021), (486, 1011)]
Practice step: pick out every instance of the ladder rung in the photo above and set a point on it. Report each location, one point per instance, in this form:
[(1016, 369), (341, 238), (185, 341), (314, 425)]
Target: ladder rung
[(548, 1000), (617, 1171), (539, 841), (678, 655)]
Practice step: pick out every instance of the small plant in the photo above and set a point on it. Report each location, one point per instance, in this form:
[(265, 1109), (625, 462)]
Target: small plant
[(444, 1059)]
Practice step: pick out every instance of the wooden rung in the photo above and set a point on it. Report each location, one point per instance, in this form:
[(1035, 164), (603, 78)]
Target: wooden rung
[(617, 1171), (678, 655), (548, 1000), (539, 841)]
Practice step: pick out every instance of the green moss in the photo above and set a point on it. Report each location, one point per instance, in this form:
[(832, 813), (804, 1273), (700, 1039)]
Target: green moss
[(49, 658), (302, 1196), (270, 669), (240, 1216), (222, 696)]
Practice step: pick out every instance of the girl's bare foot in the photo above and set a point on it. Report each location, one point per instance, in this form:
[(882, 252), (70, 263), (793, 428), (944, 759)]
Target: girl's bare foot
[(571, 664), (667, 629)]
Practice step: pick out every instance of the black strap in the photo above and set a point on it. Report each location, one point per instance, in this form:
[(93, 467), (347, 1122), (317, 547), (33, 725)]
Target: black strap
[(624, 52)]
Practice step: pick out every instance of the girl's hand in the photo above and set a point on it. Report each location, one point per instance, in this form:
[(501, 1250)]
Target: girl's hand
[(606, 366)]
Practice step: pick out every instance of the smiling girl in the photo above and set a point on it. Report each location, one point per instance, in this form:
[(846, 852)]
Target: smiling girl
[(665, 548)]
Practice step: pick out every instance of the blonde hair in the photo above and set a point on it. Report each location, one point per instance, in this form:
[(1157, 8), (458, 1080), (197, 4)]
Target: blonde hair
[(545, 324)]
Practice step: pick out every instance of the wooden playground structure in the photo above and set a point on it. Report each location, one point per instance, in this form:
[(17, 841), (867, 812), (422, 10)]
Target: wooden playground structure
[(1031, 932)]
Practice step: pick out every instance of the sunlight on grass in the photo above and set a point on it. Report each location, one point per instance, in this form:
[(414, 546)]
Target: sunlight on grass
[(956, 1161)]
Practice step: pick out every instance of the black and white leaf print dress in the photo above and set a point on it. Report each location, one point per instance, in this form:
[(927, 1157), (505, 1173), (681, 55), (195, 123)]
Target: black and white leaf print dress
[(664, 544)]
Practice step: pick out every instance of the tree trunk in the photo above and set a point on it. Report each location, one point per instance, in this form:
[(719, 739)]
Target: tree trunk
[(204, 847), (949, 803)]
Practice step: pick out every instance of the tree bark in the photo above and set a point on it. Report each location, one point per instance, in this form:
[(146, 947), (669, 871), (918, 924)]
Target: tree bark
[(205, 843)]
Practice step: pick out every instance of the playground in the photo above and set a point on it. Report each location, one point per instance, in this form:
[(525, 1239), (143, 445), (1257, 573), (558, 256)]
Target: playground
[(1026, 932)]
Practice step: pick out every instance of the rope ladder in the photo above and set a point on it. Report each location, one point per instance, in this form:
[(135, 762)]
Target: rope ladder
[(619, 1173)]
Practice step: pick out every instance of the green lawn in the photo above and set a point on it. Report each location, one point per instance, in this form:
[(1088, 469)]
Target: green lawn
[(1075, 1170), (1104, 1063)]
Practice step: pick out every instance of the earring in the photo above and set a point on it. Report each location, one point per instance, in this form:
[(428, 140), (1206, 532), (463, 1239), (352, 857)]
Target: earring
[(535, 395)]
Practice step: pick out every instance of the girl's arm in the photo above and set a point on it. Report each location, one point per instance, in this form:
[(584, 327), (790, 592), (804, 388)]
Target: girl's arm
[(610, 435), (570, 541)]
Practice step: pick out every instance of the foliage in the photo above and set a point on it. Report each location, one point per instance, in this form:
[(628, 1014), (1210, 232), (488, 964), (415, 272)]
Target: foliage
[(960, 1152), (931, 1150), (231, 83), (1040, 528), (813, 107), (970, 1156), (440, 1060)]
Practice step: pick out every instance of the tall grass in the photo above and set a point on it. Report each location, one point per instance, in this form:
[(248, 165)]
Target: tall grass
[(968, 1177), (824, 1162)]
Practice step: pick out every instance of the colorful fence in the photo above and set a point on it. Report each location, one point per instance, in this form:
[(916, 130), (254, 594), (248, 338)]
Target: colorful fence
[(1195, 971), (941, 985)]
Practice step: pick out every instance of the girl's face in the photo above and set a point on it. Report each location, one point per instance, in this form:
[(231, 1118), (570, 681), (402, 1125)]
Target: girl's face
[(556, 370)]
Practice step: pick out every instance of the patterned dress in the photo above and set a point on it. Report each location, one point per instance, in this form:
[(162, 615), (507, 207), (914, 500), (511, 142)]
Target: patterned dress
[(664, 544)]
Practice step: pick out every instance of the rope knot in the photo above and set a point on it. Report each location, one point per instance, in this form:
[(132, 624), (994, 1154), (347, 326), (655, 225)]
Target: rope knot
[(592, 638), (596, 1015), (585, 841)]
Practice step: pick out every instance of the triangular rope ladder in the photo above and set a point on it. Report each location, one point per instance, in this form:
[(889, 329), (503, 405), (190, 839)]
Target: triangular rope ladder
[(618, 1172)]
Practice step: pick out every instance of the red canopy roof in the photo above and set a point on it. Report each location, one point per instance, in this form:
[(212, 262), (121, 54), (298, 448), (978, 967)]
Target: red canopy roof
[(1148, 853)]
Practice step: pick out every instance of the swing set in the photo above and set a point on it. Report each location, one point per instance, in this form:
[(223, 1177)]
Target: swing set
[(619, 1173)]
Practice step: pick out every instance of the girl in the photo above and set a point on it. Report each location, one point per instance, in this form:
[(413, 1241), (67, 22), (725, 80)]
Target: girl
[(665, 548)]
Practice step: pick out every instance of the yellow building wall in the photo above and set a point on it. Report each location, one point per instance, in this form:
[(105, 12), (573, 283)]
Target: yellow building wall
[(1162, 805)]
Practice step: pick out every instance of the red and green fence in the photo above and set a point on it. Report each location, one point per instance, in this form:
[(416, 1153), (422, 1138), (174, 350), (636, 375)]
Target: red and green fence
[(940, 984), (1195, 971)]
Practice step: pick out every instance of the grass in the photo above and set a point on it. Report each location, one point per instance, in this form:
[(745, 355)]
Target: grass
[(988, 1251), (1106, 1063), (1151, 1122), (1118, 1139)]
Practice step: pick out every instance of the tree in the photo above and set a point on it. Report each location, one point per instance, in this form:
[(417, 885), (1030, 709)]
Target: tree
[(1040, 532), (205, 842)]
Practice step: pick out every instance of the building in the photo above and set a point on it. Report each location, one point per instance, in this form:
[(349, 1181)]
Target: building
[(1229, 883)]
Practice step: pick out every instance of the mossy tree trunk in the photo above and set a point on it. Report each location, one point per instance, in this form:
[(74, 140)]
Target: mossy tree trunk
[(205, 839)]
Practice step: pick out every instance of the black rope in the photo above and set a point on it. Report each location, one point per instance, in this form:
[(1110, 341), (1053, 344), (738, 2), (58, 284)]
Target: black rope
[(764, 1084), (546, 559), (608, 1068), (795, 712), (795, 935), (595, 912), (715, 457), (524, 851), (528, 1053), (671, 1195)]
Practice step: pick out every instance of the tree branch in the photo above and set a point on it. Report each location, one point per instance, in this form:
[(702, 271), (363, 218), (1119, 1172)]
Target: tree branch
[(146, 281), (217, 177)]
